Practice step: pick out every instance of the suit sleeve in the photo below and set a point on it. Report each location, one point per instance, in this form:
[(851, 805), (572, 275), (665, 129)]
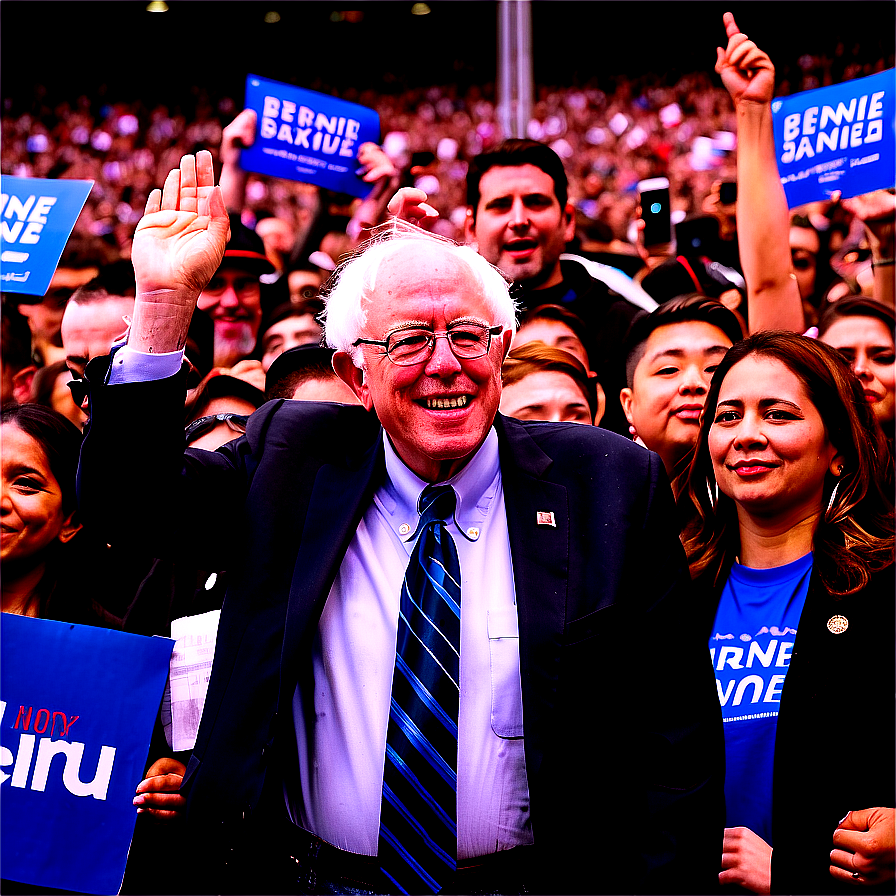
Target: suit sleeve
[(682, 749), (137, 486)]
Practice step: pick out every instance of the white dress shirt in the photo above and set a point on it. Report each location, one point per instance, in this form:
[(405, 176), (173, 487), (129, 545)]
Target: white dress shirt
[(342, 752)]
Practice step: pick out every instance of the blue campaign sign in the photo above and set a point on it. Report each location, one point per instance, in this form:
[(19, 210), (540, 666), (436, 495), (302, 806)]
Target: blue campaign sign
[(840, 137), (76, 717), (36, 218), (308, 136)]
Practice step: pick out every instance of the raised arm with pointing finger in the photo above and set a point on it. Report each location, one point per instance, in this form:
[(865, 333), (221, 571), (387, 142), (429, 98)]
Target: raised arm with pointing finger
[(763, 219)]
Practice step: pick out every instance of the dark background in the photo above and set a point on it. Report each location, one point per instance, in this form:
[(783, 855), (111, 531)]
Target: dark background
[(116, 50)]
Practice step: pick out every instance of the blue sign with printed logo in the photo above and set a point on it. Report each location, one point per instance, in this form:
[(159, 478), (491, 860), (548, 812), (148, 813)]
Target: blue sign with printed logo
[(308, 136), (36, 218), (76, 717), (840, 137)]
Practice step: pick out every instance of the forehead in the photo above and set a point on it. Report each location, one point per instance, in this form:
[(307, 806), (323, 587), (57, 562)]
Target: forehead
[(686, 336), (295, 323), (424, 283), (857, 330), (758, 377), (231, 272), (20, 448), (545, 327), (804, 238), (95, 320), (503, 180)]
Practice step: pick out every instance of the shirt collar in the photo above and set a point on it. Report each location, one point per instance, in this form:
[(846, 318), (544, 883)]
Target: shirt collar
[(476, 486)]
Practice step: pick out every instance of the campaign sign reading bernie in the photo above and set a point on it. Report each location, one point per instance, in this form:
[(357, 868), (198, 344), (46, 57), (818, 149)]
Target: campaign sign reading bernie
[(308, 136), (837, 138), (36, 218), (76, 719)]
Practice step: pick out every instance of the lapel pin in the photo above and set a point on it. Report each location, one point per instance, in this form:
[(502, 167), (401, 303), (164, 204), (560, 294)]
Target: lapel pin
[(838, 624), (545, 518)]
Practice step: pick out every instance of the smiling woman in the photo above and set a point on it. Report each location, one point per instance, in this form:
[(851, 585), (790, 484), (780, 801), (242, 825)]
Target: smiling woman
[(789, 535), (39, 529)]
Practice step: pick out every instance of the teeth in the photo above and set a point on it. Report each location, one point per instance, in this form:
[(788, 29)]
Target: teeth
[(444, 404)]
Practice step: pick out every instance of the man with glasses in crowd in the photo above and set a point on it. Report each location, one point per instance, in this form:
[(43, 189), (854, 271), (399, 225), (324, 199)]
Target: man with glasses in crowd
[(575, 747)]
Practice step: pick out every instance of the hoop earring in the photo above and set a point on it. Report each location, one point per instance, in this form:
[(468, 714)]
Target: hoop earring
[(832, 498), (712, 490)]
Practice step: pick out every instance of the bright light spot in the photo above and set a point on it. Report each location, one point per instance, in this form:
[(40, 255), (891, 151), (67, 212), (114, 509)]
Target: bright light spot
[(420, 9), (157, 6), (655, 208), (271, 17)]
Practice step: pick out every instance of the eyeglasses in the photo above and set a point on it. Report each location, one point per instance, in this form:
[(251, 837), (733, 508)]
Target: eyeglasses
[(413, 345), (202, 425)]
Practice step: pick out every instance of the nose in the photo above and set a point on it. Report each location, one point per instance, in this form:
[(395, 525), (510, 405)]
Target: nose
[(5, 501), (861, 366), (749, 433), (228, 298), (442, 362), (693, 381), (519, 215)]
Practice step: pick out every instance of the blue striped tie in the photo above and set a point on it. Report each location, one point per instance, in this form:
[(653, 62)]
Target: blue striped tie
[(418, 824)]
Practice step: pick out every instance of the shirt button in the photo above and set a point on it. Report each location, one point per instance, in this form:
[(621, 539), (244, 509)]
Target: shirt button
[(473, 532), (403, 529)]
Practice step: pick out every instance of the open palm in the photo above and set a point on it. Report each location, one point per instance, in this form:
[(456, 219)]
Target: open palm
[(179, 243)]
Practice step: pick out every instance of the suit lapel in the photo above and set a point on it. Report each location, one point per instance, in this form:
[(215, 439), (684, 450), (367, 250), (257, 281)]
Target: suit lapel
[(539, 546), (341, 494)]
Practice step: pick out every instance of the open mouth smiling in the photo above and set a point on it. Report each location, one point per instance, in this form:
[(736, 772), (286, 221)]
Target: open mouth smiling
[(451, 403)]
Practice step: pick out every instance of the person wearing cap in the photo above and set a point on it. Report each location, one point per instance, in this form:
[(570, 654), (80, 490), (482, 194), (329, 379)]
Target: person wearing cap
[(233, 296)]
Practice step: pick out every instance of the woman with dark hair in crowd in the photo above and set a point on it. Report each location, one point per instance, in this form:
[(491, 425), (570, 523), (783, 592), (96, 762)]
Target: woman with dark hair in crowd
[(861, 329), (42, 541), (789, 536)]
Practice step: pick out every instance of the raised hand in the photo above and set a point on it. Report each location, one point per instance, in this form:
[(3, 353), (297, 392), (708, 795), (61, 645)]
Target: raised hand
[(409, 204), (747, 72), (179, 242)]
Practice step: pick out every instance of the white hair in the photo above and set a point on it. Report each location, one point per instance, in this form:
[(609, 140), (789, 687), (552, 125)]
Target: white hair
[(354, 284)]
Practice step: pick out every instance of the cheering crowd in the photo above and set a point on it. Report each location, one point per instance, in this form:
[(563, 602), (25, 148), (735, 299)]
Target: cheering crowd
[(347, 381)]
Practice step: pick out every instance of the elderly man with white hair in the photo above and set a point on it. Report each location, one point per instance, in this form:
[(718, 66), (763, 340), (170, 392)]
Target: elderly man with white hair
[(458, 653)]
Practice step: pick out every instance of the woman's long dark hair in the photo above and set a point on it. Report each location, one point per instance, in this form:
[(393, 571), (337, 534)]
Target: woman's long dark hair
[(60, 440), (854, 536)]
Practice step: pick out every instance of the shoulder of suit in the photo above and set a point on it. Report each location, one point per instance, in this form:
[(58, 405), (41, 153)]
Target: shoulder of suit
[(319, 422), (577, 440)]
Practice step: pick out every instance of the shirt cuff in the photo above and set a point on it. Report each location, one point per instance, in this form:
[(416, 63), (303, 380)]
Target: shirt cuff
[(130, 366)]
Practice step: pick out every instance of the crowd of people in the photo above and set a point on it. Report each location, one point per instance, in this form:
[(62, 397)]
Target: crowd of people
[(365, 386)]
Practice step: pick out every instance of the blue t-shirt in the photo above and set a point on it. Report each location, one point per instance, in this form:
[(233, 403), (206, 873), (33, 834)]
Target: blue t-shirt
[(752, 640)]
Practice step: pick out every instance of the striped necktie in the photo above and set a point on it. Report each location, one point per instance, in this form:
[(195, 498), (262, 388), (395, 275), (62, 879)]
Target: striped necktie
[(418, 823)]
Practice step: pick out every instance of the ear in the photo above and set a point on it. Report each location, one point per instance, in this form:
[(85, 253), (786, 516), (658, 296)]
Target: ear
[(569, 222), (507, 339), (837, 465), (353, 377), (21, 384), (469, 225), (70, 528), (601, 404), (625, 397)]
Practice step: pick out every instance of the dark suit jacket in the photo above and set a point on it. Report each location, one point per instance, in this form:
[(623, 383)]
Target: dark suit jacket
[(622, 723), (836, 738)]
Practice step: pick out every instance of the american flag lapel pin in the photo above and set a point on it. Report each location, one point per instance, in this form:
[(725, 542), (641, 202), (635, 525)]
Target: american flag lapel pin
[(545, 518)]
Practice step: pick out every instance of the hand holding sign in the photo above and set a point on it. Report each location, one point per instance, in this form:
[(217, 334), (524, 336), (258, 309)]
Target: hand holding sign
[(180, 240), (747, 72)]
